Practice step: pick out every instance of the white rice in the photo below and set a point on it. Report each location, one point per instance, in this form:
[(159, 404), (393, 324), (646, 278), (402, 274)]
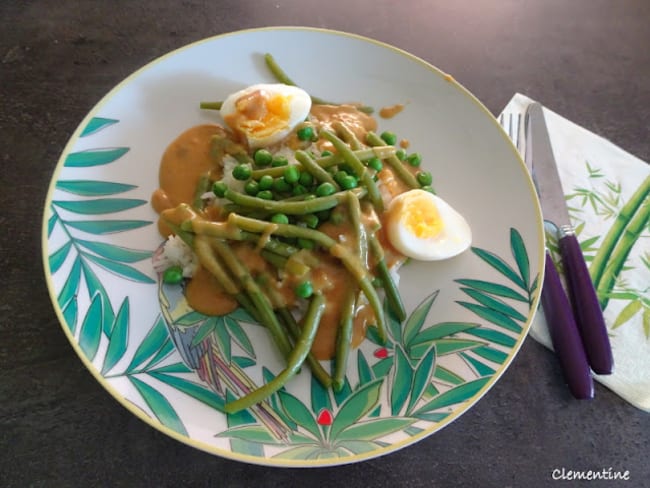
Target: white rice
[(176, 253)]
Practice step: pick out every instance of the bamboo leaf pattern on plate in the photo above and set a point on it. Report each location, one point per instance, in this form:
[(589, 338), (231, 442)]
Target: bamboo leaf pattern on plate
[(92, 188), (96, 124), (94, 157), (159, 405)]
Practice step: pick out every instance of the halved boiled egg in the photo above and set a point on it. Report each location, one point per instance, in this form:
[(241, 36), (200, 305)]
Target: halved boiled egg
[(423, 226), (265, 113)]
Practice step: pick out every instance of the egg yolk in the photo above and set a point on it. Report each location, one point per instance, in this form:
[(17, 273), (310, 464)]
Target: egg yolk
[(421, 217), (259, 113)]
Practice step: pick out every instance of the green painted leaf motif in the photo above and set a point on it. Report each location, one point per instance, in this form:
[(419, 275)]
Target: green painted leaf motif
[(173, 368), (422, 377), (119, 338), (242, 417), (238, 334), (520, 254), (207, 328), (381, 368), (120, 269), (359, 447), (92, 188), (356, 406), (493, 289), (416, 319), (345, 392), (432, 417), (373, 336), (99, 206), (494, 304), (162, 353), (95, 286), (373, 429), (629, 311), (440, 330), (223, 339), (152, 342), (448, 376), (451, 346), (646, 323), (493, 336), (394, 326), (51, 222), (320, 397), (191, 389), (115, 253), (91, 328), (493, 316), (298, 453), (94, 157), (96, 124), (57, 258), (402, 380), (481, 368), (412, 430), (500, 265), (241, 315), (456, 395), (159, 405), (70, 311), (103, 227), (365, 373), (491, 354), (587, 243), (243, 362), (191, 318), (299, 413), (252, 433), (71, 285)]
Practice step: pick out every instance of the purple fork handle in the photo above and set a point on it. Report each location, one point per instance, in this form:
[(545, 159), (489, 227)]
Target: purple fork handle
[(589, 316), (564, 334)]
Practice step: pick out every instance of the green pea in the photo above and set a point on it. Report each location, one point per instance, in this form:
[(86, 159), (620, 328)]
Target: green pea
[(424, 178), (376, 164), (265, 195), (305, 243), (306, 179), (414, 159), (252, 187), (241, 172), (339, 175), (279, 160), (326, 153), (304, 289), (262, 157), (348, 182), (325, 189), (173, 275), (280, 218), (305, 133), (219, 188), (401, 154), (291, 174), (280, 185), (311, 220), (266, 182), (389, 138), (298, 190)]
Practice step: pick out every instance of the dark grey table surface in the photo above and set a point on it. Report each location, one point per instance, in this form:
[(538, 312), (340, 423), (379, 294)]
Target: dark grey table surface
[(586, 59)]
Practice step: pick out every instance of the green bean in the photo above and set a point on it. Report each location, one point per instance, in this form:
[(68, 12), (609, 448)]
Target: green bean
[(296, 359), (390, 288), (279, 262), (260, 301), (347, 135), (202, 187), (314, 169), (350, 262), (398, 167), (343, 342), (211, 105), (289, 208), (358, 168), (354, 209)]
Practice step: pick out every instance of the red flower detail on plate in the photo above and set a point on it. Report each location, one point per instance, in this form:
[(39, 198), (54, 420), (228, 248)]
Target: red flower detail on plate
[(381, 353), (325, 417)]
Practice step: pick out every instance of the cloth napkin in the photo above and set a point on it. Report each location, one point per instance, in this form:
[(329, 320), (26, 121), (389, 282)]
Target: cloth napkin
[(599, 179)]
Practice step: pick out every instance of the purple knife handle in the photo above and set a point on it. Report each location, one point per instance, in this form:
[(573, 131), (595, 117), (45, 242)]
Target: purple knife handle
[(564, 334), (589, 316)]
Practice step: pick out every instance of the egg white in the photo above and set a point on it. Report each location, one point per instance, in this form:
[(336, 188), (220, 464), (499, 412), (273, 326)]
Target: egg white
[(257, 132), (452, 238)]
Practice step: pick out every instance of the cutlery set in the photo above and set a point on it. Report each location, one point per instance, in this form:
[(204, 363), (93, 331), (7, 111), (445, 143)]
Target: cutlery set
[(575, 322)]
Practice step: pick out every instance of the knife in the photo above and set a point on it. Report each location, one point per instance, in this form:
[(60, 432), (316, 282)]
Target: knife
[(588, 315)]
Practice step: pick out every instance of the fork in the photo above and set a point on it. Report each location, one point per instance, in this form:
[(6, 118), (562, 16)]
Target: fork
[(512, 123)]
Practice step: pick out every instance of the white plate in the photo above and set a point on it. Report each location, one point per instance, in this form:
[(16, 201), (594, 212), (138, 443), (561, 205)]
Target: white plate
[(475, 309)]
